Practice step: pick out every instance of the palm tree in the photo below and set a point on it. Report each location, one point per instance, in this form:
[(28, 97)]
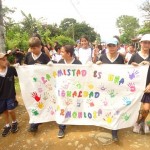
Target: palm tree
[(2, 39)]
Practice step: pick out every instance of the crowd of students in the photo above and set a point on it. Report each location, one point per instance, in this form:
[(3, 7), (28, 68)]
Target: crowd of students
[(83, 53)]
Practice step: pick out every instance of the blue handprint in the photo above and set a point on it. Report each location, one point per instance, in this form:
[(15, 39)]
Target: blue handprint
[(121, 81), (127, 101)]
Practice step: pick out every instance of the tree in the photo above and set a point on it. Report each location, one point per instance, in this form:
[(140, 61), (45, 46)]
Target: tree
[(84, 29), (128, 26), (66, 23), (145, 7), (2, 38), (30, 23)]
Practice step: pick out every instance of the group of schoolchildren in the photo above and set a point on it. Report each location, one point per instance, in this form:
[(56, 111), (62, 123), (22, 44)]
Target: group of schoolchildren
[(69, 55)]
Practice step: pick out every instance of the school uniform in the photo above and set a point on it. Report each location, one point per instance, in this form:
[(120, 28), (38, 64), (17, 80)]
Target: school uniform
[(30, 59), (62, 61), (7, 89), (138, 58), (104, 58)]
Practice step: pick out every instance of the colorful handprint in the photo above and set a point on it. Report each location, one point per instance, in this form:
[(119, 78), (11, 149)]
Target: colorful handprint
[(121, 81), (43, 80), (48, 77), (108, 118), (40, 105), (35, 112), (127, 101), (40, 90), (35, 79), (112, 93), (132, 87), (105, 102), (125, 116), (46, 96), (90, 102), (133, 74), (36, 97)]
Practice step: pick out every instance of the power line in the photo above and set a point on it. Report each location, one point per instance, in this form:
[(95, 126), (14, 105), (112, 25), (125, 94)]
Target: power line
[(76, 9)]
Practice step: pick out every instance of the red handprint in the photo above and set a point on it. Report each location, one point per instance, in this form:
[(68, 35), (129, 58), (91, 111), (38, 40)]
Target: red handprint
[(36, 97)]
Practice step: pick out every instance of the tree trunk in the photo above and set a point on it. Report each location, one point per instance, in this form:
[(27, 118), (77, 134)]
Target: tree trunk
[(2, 38)]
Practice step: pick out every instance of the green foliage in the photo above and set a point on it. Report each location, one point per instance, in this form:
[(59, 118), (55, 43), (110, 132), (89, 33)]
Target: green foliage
[(128, 25), (11, 59), (145, 29), (18, 34), (16, 37), (145, 7), (66, 23), (62, 40)]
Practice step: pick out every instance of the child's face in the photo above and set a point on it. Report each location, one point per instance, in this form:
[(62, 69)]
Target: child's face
[(3, 62), (112, 48), (64, 54), (84, 43), (36, 50), (145, 45)]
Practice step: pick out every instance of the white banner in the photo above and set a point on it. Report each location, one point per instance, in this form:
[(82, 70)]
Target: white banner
[(105, 95)]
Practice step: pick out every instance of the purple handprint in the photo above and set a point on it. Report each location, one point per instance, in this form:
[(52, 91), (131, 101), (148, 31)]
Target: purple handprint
[(133, 74)]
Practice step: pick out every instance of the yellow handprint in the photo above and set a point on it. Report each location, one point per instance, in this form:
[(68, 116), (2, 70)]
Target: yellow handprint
[(40, 105), (108, 118)]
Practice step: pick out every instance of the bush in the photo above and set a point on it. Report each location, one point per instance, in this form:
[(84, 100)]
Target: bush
[(62, 40)]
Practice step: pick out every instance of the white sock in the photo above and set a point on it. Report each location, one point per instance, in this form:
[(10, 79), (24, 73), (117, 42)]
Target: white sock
[(7, 125), (14, 121)]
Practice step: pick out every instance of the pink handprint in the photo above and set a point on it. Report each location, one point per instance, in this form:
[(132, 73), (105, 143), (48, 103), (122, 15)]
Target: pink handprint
[(132, 87), (43, 80), (36, 97)]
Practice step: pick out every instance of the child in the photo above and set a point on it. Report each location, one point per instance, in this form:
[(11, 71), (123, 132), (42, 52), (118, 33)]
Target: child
[(130, 53), (35, 57), (7, 95), (67, 53), (143, 57), (57, 56), (85, 52), (112, 57)]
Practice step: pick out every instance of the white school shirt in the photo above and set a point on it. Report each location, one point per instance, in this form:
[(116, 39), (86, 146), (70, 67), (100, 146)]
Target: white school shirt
[(85, 55)]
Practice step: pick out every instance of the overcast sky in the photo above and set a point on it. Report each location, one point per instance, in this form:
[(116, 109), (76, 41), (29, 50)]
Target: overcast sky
[(99, 14)]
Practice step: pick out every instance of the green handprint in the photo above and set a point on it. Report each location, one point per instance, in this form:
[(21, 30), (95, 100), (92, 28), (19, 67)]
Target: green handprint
[(35, 112), (125, 116), (112, 93), (34, 79), (48, 77)]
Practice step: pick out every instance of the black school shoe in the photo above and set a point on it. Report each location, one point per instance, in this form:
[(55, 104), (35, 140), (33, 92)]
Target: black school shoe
[(61, 133), (6, 131), (34, 127), (14, 127)]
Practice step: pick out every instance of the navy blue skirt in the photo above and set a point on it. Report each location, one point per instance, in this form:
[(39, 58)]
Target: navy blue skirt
[(146, 98)]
